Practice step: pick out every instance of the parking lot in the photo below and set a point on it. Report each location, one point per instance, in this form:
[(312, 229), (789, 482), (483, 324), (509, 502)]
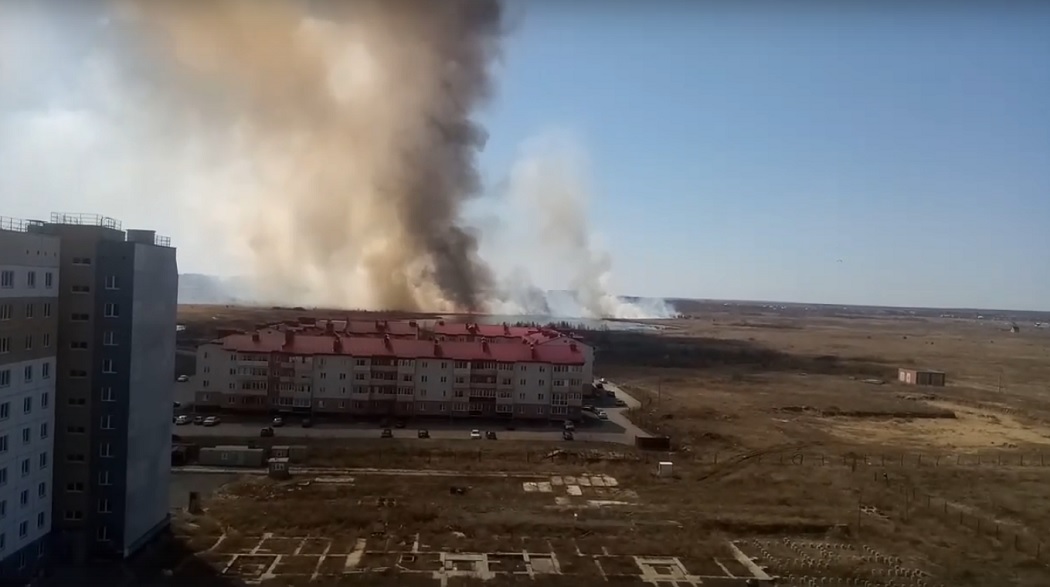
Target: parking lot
[(616, 429)]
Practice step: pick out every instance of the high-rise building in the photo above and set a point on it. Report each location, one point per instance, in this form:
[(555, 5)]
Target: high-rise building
[(29, 286), (114, 381)]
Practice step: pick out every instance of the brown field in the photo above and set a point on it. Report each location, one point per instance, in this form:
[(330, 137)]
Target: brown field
[(792, 439)]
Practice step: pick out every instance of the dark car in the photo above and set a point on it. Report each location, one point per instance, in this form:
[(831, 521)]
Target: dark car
[(198, 420), (266, 432), (387, 433), (567, 435), (399, 424), (384, 423), (307, 423), (490, 435), (423, 434)]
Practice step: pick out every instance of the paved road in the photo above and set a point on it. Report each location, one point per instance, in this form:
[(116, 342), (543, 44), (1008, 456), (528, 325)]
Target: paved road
[(617, 429)]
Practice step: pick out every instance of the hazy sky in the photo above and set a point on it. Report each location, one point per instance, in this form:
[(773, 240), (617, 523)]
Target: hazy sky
[(880, 155)]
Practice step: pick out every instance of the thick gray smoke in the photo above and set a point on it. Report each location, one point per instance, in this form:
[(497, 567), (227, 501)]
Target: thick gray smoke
[(355, 121)]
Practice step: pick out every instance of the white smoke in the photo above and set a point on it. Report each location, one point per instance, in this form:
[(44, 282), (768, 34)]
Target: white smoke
[(549, 194)]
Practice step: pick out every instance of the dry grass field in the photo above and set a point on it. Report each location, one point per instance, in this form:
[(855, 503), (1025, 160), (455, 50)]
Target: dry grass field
[(794, 444)]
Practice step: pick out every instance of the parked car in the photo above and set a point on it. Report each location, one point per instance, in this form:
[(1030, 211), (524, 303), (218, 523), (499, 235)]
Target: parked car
[(475, 434), (176, 405), (423, 433), (307, 423), (567, 435), (212, 421), (399, 424), (182, 420), (384, 423), (588, 408), (491, 435), (198, 420), (182, 378), (266, 432), (610, 393), (621, 404), (277, 422), (569, 426), (387, 433), (601, 415)]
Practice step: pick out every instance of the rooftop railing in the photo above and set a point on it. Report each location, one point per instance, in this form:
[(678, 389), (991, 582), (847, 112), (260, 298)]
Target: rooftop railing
[(85, 219), (18, 224), (162, 241)]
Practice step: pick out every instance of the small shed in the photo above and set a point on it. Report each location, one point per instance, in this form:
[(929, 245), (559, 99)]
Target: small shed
[(294, 454), (278, 468), (232, 456), (921, 377)]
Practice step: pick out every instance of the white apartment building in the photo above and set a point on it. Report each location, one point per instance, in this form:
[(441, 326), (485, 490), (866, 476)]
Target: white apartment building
[(29, 268), (276, 371)]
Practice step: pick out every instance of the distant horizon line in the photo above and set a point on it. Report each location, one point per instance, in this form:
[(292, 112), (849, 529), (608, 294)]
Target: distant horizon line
[(748, 302)]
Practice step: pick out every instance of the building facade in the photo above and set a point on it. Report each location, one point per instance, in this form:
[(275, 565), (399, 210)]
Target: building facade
[(29, 286), (331, 372), (115, 354)]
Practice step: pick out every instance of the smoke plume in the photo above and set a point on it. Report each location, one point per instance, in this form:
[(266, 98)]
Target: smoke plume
[(354, 120), (549, 187)]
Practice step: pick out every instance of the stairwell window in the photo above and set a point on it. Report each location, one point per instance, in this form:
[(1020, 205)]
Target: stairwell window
[(111, 282), (107, 394), (108, 367), (111, 311), (109, 338), (105, 450)]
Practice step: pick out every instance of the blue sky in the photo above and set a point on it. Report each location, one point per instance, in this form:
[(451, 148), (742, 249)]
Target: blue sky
[(741, 152)]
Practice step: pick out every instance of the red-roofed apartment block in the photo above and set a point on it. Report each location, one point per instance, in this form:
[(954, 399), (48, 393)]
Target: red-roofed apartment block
[(396, 369)]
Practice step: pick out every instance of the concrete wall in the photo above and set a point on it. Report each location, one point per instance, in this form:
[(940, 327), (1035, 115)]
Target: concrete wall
[(150, 391)]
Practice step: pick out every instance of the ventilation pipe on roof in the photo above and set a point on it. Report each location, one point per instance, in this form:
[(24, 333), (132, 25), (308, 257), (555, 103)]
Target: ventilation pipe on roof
[(572, 347), (337, 346), (506, 328), (289, 337), (440, 322), (437, 349), (255, 337), (485, 345), (329, 327), (380, 326), (347, 327), (387, 342), (532, 347), (413, 324)]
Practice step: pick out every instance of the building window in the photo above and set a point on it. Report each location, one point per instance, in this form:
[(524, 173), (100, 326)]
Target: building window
[(7, 279), (109, 338), (75, 458), (73, 515), (5, 311), (3, 476), (76, 401), (3, 444), (107, 394), (79, 317), (75, 487), (103, 507), (80, 289), (102, 534), (107, 366), (49, 280), (5, 344), (47, 340), (27, 435), (47, 310), (82, 260), (111, 311), (5, 378), (105, 450), (75, 429), (111, 282), (45, 372), (106, 422), (103, 478), (27, 375), (40, 519), (78, 345), (29, 342), (27, 468), (43, 430), (77, 373), (23, 531), (5, 410), (29, 310), (41, 489), (43, 460), (31, 279)]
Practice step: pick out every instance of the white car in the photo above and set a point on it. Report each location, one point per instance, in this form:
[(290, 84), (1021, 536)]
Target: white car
[(602, 415), (211, 421), (475, 434), (183, 378), (182, 420)]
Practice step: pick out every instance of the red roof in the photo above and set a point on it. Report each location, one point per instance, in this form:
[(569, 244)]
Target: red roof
[(298, 343), (445, 328)]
